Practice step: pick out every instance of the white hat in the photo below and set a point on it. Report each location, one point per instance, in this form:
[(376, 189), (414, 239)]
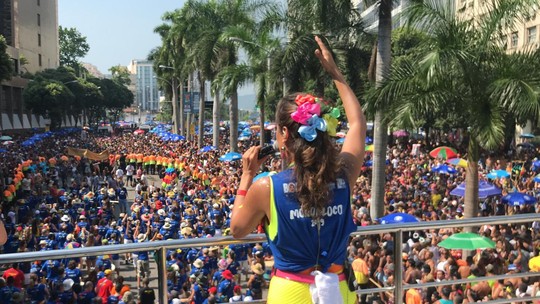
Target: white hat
[(167, 226), (68, 283), (82, 217), (65, 218), (43, 242), (198, 263), (216, 206), (161, 212), (167, 220), (141, 237)]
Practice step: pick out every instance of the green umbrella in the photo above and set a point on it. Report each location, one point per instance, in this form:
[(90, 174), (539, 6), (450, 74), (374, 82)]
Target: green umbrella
[(466, 240)]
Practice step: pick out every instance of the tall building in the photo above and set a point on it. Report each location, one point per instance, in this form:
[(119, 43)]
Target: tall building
[(31, 31), (523, 36), (146, 87)]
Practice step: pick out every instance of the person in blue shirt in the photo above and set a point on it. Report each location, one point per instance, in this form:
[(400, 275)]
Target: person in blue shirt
[(86, 296), (306, 207), (37, 292), (226, 286)]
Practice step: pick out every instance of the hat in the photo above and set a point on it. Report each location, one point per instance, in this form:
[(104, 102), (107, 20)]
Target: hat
[(43, 242), (167, 220), (145, 217), (216, 206), (186, 230), (107, 272), (82, 217), (237, 288), (489, 268), (105, 241), (222, 264), (257, 268), (161, 212), (68, 283), (212, 290), (70, 237), (122, 214), (141, 237), (227, 274), (214, 248), (53, 210), (167, 226), (65, 218), (198, 263)]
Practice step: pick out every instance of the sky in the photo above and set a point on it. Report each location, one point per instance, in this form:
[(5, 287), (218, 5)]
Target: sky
[(118, 30)]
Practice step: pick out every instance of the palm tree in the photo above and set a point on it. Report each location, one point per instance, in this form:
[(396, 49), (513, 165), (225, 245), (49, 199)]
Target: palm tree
[(463, 64), (380, 133)]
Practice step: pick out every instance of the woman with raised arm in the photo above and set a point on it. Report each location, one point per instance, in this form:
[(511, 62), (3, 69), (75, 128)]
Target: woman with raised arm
[(306, 207)]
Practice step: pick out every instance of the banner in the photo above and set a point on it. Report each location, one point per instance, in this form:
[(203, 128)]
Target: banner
[(88, 154)]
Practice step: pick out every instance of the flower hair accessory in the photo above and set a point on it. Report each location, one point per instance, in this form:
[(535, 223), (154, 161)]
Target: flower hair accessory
[(308, 114)]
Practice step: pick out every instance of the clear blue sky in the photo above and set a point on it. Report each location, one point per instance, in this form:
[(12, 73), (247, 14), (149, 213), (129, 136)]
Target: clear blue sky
[(119, 30), (116, 30)]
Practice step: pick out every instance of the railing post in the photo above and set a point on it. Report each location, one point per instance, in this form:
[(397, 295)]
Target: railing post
[(162, 275), (398, 270)]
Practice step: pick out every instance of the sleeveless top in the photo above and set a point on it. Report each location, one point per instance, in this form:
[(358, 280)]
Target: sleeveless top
[(293, 236)]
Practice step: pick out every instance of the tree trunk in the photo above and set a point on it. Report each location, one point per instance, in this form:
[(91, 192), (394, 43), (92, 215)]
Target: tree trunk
[(380, 137), (233, 116), (200, 139), (176, 118), (215, 119), (471, 179), (181, 110)]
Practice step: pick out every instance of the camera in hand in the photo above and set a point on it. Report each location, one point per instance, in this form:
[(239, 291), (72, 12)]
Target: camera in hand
[(266, 150)]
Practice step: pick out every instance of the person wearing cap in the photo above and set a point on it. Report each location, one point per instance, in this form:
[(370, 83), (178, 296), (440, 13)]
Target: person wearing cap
[(67, 295), (104, 286), (256, 281), (226, 286)]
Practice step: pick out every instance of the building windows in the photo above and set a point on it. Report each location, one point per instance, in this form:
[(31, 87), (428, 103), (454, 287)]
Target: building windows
[(38, 19), (514, 40), (39, 39), (39, 60), (531, 35)]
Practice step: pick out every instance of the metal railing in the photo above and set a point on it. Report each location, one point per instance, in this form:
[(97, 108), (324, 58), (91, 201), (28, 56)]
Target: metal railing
[(397, 230)]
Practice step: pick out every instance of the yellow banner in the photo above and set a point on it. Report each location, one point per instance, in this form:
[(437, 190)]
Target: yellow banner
[(88, 154)]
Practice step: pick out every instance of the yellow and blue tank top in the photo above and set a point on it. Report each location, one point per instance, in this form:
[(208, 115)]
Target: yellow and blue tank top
[(293, 236)]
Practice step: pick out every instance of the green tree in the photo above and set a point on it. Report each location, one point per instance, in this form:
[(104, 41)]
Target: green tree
[(120, 74), (463, 65), (73, 46), (6, 64), (49, 98)]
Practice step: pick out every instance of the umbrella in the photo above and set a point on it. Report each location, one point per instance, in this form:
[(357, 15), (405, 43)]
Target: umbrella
[(485, 189), (138, 132), (370, 148), (398, 218), (8, 142), (445, 169), (457, 162), (443, 152), (400, 133), (498, 174), (208, 148), (231, 156), (5, 137), (518, 199), (466, 240), (265, 173), (526, 135)]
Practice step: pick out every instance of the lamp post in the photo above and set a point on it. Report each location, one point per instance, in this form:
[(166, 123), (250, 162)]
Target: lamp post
[(178, 122)]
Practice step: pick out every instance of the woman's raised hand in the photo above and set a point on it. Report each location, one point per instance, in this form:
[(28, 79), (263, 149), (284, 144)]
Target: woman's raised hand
[(326, 58)]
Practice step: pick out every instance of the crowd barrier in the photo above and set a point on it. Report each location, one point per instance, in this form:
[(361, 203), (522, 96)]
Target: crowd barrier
[(395, 229)]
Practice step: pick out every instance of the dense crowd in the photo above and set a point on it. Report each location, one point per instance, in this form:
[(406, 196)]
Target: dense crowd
[(58, 201)]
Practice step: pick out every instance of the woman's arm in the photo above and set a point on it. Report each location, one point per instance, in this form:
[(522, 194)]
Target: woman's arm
[(353, 149), (3, 233)]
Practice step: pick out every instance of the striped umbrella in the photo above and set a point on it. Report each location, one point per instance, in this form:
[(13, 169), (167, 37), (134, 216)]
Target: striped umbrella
[(443, 152), (460, 162)]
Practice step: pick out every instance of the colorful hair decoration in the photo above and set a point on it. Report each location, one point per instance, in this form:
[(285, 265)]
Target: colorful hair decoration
[(308, 114)]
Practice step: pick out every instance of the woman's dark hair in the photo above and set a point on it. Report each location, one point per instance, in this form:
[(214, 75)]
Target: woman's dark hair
[(316, 162)]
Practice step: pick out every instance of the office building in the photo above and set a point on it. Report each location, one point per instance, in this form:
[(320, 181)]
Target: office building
[(146, 87), (31, 31)]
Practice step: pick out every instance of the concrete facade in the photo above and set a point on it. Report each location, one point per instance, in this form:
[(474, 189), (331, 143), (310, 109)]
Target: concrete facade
[(31, 30)]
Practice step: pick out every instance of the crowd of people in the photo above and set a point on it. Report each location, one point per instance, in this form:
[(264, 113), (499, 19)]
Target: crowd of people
[(76, 202)]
